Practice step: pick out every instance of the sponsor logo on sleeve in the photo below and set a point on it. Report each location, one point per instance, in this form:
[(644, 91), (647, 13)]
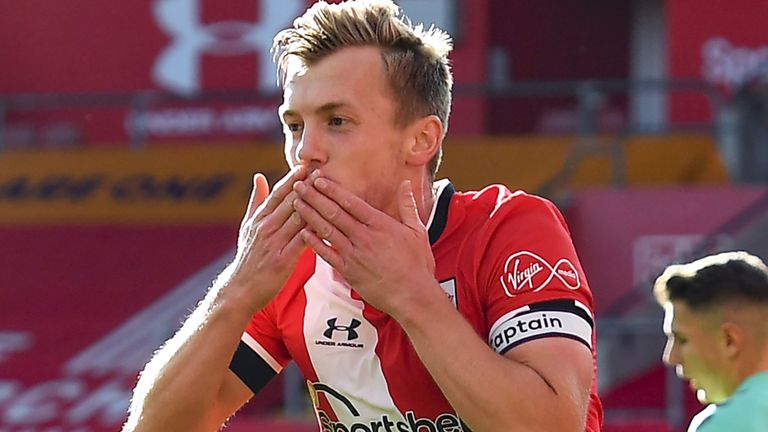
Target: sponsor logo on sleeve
[(525, 271)]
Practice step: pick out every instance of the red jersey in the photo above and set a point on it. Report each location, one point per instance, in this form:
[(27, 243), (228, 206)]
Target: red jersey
[(505, 260)]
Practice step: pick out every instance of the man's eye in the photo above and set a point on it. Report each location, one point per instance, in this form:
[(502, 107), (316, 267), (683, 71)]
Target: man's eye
[(337, 121), (294, 127)]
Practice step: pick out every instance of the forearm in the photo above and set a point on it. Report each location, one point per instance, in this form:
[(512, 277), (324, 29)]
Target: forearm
[(178, 388), (489, 391)]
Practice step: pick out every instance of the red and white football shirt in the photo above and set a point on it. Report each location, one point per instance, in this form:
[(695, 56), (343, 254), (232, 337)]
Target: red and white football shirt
[(507, 262)]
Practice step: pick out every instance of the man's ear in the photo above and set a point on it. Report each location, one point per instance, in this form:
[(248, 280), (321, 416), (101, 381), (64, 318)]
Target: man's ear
[(732, 338), (426, 136)]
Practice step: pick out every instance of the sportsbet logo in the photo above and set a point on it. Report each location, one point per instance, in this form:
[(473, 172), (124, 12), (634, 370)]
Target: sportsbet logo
[(408, 422), (443, 423)]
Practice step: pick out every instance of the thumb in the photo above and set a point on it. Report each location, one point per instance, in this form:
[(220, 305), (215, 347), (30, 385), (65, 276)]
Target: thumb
[(409, 214), (259, 193)]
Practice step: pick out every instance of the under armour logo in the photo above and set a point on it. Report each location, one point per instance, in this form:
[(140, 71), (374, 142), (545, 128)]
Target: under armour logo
[(350, 329), (177, 68)]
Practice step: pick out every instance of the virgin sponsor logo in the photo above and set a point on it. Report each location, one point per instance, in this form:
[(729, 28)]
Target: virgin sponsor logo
[(443, 423), (525, 271)]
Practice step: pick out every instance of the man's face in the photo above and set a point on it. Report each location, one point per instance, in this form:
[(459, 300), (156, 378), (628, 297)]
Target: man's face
[(694, 347), (338, 116)]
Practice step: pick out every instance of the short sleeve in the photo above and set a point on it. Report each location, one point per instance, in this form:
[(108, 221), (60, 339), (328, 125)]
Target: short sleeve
[(530, 276), (261, 353)]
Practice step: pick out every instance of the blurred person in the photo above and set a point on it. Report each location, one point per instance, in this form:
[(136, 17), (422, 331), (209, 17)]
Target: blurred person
[(408, 306), (716, 322)]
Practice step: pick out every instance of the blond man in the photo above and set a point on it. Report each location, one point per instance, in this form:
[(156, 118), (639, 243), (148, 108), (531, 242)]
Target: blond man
[(408, 306)]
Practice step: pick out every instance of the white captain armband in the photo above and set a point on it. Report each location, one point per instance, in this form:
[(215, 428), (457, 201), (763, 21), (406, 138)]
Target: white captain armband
[(556, 318)]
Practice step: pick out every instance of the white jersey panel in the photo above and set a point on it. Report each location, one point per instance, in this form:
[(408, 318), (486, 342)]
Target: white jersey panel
[(342, 348)]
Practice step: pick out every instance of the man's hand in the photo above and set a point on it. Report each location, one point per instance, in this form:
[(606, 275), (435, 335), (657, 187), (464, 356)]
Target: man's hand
[(385, 260), (269, 244)]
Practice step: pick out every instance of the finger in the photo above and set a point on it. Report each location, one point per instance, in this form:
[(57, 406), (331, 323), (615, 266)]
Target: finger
[(327, 209), (409, 213), (288, 234), (272, 222), (282, 189), (327, 253), (259, 193), (295, 246), (351, 203), (321, 227)]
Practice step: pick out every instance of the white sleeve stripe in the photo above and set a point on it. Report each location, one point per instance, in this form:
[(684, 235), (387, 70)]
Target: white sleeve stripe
[(537, 324), (263, 353), (584, 307)]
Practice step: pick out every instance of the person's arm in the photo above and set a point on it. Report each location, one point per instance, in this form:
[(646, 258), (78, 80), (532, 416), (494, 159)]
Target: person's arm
[(542, 385), (188, 384)]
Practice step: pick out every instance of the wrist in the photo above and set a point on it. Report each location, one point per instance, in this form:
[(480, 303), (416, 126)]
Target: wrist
[(414, 310), (236, 291), (238, 298)]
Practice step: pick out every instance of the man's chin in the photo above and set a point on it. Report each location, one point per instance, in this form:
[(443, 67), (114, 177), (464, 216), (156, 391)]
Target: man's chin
[(707, 398), (701, 395)]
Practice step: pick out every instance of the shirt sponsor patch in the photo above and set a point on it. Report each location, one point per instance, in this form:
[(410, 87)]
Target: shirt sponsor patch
[(351, 420), (560, 318), (449, 286), (525, 271)]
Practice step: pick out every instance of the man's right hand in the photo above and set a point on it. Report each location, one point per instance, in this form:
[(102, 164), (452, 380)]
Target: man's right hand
[(268, 246)]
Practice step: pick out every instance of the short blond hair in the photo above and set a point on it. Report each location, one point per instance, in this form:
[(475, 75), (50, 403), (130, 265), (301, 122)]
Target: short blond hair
[(415, 58)]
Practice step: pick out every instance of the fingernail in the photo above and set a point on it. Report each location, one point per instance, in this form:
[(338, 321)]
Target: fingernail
[(315, 174), (321, 183), (299, 186)]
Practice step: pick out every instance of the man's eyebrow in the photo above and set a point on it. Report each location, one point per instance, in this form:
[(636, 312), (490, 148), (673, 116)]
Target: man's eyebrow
[(332, 106), (322, 109), (283, 112)]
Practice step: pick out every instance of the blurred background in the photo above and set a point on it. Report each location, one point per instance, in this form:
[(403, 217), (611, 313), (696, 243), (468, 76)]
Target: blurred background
[(129, 132)]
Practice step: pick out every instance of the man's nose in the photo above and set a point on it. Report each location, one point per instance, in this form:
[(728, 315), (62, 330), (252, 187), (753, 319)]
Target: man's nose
[(311, 150), (670, 356)]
